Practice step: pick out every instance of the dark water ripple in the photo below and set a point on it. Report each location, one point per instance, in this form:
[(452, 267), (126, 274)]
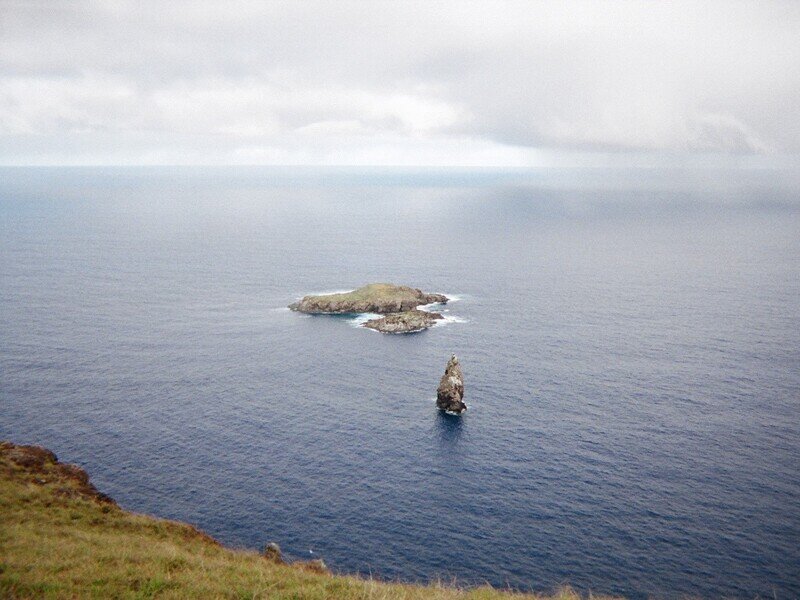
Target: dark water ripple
[(632, 355)]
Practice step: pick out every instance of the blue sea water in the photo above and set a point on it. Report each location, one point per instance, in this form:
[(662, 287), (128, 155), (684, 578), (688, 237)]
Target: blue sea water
[(630, 342)]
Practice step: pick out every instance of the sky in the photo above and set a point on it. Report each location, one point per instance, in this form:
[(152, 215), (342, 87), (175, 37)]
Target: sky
[(431, 83)]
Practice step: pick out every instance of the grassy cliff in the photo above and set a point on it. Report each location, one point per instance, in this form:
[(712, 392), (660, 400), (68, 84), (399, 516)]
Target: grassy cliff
[(61, 538)]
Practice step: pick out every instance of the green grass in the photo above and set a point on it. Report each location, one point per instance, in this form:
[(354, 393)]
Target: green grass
[(374, 292), (58, 541)]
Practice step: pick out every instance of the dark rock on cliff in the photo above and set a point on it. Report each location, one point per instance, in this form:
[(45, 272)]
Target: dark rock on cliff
[(272, 552), (316, 565), (409, 321), (450, 394)]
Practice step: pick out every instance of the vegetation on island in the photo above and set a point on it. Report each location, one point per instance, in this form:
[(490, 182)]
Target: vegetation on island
[(61, 538), (381, 298), (396, 303)]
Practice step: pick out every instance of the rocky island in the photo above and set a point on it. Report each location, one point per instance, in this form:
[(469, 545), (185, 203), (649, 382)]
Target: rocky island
[(409, 321), (450, 393), (397, 303)]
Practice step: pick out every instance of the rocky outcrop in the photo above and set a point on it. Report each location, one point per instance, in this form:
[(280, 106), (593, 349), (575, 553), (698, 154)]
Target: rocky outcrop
[(450, 394), (381, 298), (272, 552), (316, 565), (409, 321), (41, 467)]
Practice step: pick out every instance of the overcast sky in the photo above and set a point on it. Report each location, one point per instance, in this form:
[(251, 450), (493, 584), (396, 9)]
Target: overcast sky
[(406, 83)]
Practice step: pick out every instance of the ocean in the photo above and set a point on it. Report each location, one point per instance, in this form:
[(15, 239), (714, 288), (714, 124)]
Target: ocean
[(630, 341)]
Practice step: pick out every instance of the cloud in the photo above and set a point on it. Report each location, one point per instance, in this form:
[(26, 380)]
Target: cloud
[(373, 82)]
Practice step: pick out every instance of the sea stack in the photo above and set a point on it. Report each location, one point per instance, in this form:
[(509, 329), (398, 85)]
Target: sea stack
[(450, 394)]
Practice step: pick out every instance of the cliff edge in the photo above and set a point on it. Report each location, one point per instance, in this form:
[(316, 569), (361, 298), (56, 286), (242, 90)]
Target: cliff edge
[(62, 538)]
